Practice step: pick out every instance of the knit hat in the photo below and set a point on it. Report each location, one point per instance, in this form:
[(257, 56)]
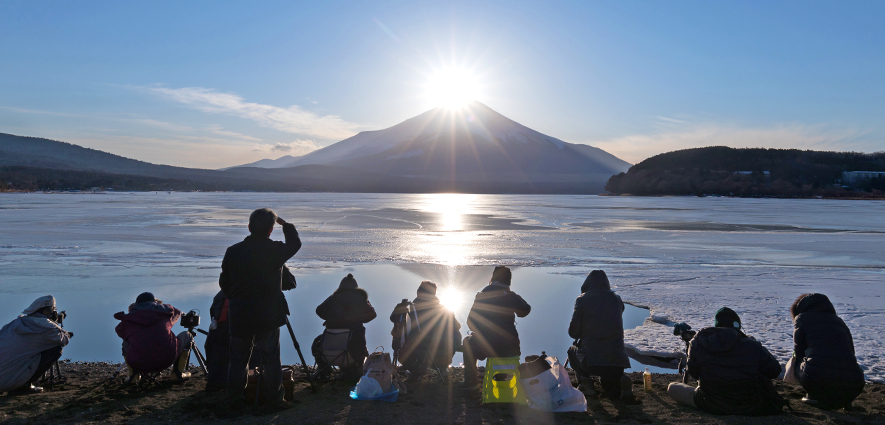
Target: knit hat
[(502, 275), (427, 287), (726, 318), (145, 297), (348, 282), (44, 301)]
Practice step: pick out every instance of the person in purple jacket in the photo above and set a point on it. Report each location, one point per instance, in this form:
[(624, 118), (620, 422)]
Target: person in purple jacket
[(148, 342)]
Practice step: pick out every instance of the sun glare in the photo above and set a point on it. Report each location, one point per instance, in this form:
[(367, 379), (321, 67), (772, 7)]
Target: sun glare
[(452, 87), (451, 298)]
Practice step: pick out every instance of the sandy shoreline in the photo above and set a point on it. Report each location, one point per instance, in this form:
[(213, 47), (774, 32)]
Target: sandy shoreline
[(90, 396)]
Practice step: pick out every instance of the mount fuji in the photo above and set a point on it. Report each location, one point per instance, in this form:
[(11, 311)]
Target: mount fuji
[(468, 148)]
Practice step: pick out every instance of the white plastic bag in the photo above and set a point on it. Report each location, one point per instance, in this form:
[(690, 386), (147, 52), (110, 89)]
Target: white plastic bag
[(552, 390), (368, 387), (790, 376)]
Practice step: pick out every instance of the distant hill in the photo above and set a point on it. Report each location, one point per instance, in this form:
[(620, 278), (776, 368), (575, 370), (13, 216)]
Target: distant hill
[(472, 147), (722, 170)]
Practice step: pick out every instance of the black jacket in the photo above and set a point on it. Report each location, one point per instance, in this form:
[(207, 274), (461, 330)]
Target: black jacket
[(823, 344), (347, 308), (598, 323), (493, 319), (734, 373), (251, 278), (438, 331)]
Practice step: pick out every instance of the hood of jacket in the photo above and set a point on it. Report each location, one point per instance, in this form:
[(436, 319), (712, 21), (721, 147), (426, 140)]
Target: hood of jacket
[(717, 340), (595, 282), (818, 303)]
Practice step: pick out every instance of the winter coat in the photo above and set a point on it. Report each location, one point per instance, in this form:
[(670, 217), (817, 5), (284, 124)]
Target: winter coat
[(21, 342), (822, 343), (438, 331), (734, 373), (251, 278), (599, 324), (147, 329), (349, 308), (493, 319)]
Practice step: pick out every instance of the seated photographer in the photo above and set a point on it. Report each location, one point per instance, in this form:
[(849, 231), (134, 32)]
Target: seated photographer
[(492, 318), (347, 308), (30, 345), (433, 340), (823, 346), (148, 342), (734, 371), (598, 324)]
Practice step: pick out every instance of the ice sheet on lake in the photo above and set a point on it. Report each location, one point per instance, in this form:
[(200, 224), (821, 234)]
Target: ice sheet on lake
[(682, 257)]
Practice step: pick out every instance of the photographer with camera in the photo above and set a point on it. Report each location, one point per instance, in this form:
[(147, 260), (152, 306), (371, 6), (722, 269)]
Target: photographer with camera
[(734, 371), (30, 345), (149, 345), (251, 278)]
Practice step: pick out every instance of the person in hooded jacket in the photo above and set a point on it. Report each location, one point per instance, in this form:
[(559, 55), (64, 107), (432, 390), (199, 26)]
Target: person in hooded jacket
[(734, 371), (598, 325), (433, 337), (822, 343), (492, 319), (30, 345), (148, 342), (347, 308), (252, 279)]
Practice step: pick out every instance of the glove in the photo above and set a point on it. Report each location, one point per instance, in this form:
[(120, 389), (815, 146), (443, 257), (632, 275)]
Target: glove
[(70, 334), (213, 326)]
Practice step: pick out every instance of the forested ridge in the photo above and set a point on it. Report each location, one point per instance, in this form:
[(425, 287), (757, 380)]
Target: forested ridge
[(721, 170)]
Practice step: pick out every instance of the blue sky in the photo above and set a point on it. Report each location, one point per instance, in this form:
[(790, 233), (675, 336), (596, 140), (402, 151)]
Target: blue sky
[(214, 84)]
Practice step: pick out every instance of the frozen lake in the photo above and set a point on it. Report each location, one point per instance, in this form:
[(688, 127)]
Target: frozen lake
[(682, 257)]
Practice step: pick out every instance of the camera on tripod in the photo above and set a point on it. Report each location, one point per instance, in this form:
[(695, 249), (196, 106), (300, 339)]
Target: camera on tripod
[(190, 320), (58, 317), (683, 330)]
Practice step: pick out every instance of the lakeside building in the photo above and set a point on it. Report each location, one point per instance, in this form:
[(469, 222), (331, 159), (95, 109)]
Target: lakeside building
[(852, 178)]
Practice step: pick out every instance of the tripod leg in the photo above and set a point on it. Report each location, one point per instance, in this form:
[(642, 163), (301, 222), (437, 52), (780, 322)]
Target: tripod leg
[(300, 356), (200, 359)]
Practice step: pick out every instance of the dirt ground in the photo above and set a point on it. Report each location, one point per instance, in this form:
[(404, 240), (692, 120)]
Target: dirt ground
[(90, 396)]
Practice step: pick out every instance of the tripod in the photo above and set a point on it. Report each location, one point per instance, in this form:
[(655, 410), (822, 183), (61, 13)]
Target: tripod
[(301, 356), (193, 347), (54, 372)]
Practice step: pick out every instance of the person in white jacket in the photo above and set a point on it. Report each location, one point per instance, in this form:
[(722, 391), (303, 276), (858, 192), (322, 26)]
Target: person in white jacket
[(29, 345)]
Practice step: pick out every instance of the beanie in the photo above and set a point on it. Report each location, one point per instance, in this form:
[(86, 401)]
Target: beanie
[(348, 282), (726, 318), (145, 297), (502, 275), (427, 287)]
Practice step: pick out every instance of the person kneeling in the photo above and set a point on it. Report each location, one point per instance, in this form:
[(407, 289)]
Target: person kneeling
[(149, 345), (431, 334), (822, 343), (598, 323), (734, 371), (29, 345)]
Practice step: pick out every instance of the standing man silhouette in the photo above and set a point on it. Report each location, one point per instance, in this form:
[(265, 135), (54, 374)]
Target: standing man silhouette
[(251, 278)]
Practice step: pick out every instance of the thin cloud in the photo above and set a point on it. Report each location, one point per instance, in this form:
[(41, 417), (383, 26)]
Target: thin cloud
[(635, 148), (293, 119), (296, 148)]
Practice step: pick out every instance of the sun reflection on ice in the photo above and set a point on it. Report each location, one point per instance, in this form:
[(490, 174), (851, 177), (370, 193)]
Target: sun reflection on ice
[(450, 242)]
